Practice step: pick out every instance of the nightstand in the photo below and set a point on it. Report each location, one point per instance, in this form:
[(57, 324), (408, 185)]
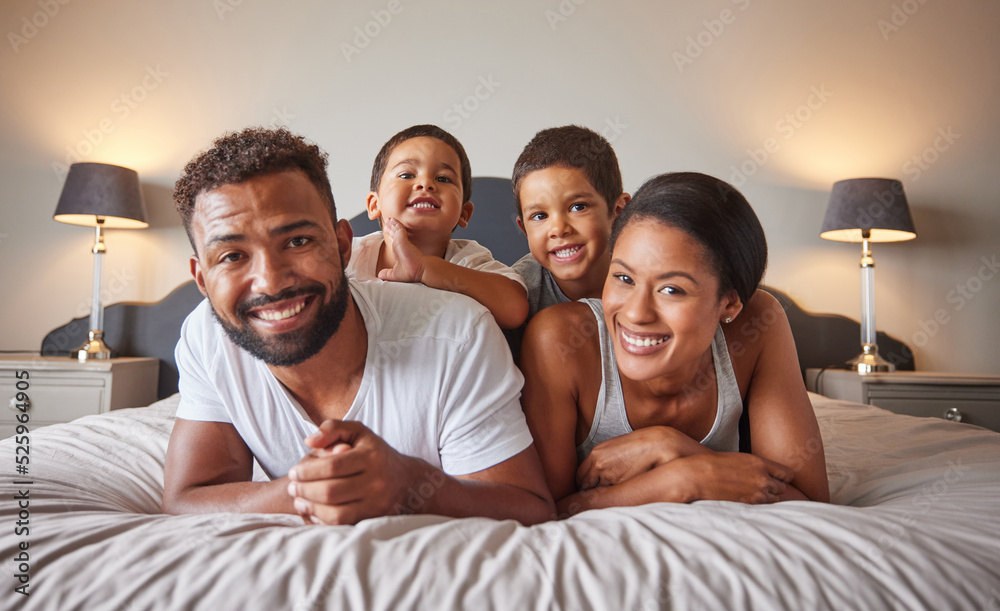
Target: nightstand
[(61, 389), (969, 398)]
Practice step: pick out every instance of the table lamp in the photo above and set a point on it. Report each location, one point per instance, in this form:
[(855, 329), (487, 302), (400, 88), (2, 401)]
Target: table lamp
[(103, 196), (868, 210)]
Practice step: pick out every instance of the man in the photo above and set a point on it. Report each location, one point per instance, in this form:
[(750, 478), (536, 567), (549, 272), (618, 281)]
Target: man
[(405, 398)]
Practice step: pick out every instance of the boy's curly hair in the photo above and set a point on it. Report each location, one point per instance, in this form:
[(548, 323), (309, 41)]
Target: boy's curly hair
[(239, 156), (571, 146)]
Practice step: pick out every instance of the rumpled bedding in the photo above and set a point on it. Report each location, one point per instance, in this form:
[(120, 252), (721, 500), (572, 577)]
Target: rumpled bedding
[(914, 524)]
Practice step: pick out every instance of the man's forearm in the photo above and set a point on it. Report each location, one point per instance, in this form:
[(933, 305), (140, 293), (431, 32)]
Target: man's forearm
[(237, 497), (208, 469), (441, 494)]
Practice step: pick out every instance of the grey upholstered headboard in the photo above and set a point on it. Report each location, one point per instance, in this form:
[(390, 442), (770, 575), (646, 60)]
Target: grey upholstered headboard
[(137, 329), (830, 340)]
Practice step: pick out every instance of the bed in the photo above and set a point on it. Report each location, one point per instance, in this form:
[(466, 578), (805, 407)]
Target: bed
[(913, 525)]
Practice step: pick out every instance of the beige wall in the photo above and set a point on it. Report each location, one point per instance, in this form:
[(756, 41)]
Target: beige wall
[(798, 94)]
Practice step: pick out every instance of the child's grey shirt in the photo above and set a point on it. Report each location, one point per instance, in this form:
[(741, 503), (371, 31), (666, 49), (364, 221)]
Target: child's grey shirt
[(542, 293)]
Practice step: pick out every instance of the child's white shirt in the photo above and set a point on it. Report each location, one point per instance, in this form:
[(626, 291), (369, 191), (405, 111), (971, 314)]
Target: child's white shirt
[(467, 253)]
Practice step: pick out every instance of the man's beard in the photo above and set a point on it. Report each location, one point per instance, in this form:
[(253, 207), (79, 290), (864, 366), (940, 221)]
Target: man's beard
[(292, 347)]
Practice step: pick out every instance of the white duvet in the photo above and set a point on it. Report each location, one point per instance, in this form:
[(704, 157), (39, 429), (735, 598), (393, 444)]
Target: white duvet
[(914, 524)]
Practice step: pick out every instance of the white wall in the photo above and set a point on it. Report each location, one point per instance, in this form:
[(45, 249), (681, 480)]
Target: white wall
[(695, 87)]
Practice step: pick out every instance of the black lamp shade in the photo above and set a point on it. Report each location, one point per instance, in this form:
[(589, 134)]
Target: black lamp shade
[(876, 206), (102, 190)]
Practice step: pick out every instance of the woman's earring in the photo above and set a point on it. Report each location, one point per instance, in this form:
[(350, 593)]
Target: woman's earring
[(728, 320)]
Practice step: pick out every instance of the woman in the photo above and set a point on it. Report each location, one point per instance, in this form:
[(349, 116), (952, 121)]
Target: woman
[(642, 400)]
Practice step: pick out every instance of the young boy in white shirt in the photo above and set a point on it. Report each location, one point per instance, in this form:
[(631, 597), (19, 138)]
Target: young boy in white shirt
[(421, 189)]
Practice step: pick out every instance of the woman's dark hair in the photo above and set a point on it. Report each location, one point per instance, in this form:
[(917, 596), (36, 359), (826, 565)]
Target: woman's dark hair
[(712, 212)]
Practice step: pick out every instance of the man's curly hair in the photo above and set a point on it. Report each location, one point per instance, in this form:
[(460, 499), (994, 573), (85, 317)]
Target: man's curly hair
[(239, 156)]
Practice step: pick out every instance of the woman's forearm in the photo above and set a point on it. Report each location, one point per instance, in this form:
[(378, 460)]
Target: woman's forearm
[(716, 476), (661, 484)]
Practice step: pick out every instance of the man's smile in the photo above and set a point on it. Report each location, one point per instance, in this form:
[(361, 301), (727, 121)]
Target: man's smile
[(282, 311)]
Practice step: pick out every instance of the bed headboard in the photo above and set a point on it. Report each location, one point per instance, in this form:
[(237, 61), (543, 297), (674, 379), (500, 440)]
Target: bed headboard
[(139, 329), (830, 340), (135, 329)]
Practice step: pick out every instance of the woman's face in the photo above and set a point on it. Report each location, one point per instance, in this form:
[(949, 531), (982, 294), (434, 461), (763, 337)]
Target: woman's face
[(661, 301)]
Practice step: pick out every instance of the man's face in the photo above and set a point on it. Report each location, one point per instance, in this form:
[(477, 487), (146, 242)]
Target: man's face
[(271, 262)]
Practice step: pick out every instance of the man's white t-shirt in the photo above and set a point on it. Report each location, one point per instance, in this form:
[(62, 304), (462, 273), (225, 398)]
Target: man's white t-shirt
[(466, 253), (439, 383)]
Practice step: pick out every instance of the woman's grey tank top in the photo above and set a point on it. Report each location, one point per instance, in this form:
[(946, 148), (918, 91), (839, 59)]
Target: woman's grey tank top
[(610, 419)]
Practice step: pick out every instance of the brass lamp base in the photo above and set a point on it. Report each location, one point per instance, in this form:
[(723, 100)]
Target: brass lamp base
[(94, 348), (870, 362)]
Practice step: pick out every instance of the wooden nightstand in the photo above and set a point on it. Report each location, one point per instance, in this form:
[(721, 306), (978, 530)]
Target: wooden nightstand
[(61, 389), (969, 398)]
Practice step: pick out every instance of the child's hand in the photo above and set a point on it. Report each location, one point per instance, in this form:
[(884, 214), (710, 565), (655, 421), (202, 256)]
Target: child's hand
[(409, 265)]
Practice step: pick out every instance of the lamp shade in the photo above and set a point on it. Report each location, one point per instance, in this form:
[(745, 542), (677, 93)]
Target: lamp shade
[(873, 206), (102, 190)]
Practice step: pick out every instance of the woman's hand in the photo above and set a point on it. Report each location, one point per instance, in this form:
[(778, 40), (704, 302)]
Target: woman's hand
[(621, 458), (732, 476)]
